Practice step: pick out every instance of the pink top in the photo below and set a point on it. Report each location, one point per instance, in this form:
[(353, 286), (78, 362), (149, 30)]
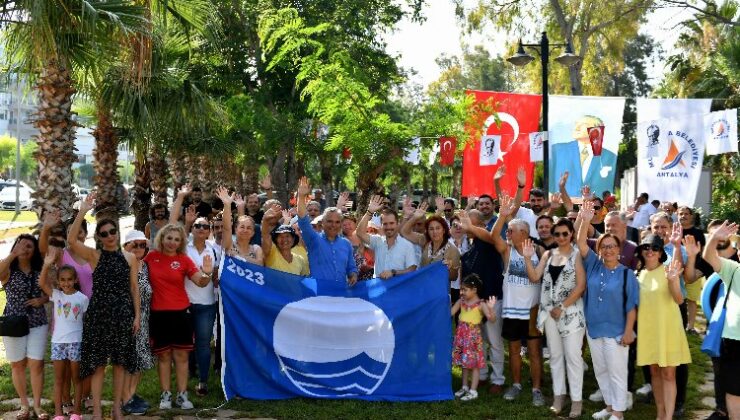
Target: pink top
[(84, 273)]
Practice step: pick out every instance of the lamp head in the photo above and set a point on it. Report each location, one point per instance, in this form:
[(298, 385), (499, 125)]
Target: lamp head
[(568, 58), (521, 58)]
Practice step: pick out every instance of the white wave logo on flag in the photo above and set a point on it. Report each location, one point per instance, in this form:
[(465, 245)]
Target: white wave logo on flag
[(333, 346)]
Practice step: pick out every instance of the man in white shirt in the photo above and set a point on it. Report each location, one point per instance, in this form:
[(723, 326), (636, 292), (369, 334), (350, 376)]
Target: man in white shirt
[(394, 255), (643, 210)]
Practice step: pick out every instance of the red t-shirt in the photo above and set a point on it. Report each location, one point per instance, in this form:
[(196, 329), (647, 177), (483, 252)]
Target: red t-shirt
[(168, 274)]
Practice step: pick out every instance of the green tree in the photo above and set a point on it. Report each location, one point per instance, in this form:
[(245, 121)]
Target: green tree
[(599, 31), (49, 39)]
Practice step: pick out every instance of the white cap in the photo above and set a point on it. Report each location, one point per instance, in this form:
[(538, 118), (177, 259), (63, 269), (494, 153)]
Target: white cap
[(134, 235)]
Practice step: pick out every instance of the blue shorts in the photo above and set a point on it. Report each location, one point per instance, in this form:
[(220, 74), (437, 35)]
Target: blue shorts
[(66, 351)]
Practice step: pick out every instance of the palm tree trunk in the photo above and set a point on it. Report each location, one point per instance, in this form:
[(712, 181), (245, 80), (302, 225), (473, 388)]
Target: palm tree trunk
[(142, 192), (106, 165), (56, 140), (158, 170)]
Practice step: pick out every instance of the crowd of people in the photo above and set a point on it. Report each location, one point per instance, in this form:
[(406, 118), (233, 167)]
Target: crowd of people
[(546, 276)]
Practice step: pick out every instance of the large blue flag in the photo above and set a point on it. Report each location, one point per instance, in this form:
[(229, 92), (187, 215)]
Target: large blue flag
[(287, 336)]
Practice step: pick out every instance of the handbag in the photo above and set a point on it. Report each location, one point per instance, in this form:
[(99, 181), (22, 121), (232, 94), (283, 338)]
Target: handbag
[(713, 340), (14, 326)]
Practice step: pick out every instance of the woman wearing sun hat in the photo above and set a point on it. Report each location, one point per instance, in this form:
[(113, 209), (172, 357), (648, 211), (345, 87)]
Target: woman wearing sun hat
[(136, 243), (662, 340), (278, 243)]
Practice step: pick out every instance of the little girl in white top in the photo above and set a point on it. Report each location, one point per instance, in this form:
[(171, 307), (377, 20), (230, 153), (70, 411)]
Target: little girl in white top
[(70, 306)]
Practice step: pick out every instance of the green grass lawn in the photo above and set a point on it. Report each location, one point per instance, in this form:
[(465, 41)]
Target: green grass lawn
[(485, 407), (25, 216)]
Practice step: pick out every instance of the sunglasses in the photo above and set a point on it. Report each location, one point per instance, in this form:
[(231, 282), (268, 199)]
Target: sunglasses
[(202, 226), (218, 227), (597, 207), (653, 248), (608, 246), (561, 234), (140, 245), (58, 243), (110, 232)]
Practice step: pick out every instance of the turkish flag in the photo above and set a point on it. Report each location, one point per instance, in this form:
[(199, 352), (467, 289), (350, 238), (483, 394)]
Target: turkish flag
[(596, 137), (447, 147), (519, 115)]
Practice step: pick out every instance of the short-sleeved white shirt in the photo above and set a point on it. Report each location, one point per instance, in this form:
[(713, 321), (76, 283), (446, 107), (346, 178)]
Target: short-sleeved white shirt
[(399, 257)]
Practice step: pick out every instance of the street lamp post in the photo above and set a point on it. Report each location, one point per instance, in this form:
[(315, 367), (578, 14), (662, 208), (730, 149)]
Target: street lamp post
[(521, 58)]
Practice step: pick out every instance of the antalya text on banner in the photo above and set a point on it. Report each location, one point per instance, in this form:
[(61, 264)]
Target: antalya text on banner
[(720, 132), (570, 144), (519, 115), (673, 173), (286, 336)]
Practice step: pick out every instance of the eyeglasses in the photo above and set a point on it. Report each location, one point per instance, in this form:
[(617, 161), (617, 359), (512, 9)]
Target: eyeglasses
[(597, 208), (140, 245), (653, 248), (561, 234), (110, 232), (608, 246), (202, 226)]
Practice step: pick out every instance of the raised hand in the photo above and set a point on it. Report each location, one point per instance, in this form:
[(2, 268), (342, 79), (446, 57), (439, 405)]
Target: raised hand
[(586, 192), (207, 264), (52, 218), (342, 200), (500, 172), (223, 195), (563, 179), (464, 220), (673, 270), (304, 189), (439, 203), (375, 204), (693, 248), (88, 203), (587, 211), (240, 201), (420, 212), (184, 190), (286, 216), (507, 206), (408, 209), (51, 256), (266, 182), (556, 200), (528, 249), (190, 214), (725, 230), (676, 234), (521, 176)]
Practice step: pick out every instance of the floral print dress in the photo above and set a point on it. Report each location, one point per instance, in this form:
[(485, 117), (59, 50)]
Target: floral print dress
[(555, 291)]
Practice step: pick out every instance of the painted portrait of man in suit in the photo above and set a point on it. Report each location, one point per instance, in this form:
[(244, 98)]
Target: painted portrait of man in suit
[(577, 158)]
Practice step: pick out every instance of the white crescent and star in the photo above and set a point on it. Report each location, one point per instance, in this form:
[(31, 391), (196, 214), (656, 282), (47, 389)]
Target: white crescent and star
[(446, 144)]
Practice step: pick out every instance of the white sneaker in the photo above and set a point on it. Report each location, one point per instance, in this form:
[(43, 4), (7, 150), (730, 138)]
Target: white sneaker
[(596, 396), (182, 401), (471, 395), (603, 414), (464, 390), (644, 390), (630, 401), (165, 401), (585, 365)]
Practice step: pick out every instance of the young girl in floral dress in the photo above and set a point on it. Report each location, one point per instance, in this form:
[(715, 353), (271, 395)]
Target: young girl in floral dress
[(468, 347)]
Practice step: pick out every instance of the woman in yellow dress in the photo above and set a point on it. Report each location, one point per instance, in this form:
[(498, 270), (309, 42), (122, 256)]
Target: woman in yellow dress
[(661, 338)]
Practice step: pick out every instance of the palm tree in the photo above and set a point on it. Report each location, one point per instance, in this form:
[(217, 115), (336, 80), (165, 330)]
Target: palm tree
[(49, 39)]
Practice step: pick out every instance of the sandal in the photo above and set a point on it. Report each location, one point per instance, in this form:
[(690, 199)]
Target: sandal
[(23, 414), (41, 414)]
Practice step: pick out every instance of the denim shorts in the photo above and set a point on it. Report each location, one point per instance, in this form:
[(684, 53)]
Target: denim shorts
[(66, 351)]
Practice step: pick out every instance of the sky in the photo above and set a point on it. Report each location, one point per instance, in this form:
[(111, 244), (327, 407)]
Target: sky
[(418, 45)]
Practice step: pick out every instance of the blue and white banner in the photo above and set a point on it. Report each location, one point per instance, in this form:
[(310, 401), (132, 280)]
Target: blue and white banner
[(287, 336)]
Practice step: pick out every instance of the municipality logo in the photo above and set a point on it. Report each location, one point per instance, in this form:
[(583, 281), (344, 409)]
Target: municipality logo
[(720, 129), (682, 156), (333, 346)]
